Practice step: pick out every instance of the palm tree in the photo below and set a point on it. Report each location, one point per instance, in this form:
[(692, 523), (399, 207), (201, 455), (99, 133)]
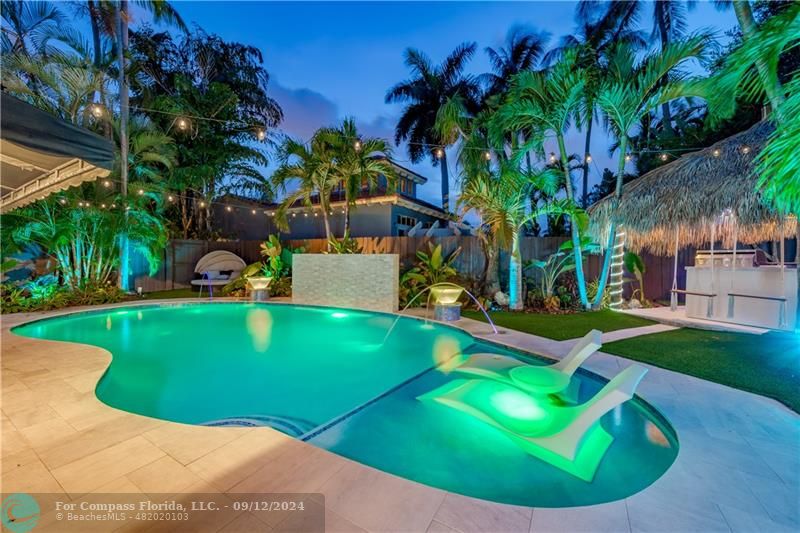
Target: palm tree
[(502, 199), (27, 25), (545, 103), (428, 89), (311, 169), (633, 89), (359, 162), (598, 28)]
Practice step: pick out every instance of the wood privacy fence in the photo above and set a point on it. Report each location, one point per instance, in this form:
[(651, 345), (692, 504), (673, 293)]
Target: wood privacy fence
[(180, 257)]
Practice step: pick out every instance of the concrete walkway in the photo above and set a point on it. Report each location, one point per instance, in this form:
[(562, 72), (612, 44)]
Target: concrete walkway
[(738, 467)]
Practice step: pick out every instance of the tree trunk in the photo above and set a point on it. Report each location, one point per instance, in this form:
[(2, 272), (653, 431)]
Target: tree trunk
[(122, 36), (616, 272), (744, 15), (327, 224), (576, 239), (491, 276), (666, 113), (445, 183), (586, 148), (94, 17), (346, 215), (515, 302)]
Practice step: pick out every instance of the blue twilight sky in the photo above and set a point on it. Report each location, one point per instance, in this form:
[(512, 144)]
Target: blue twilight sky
[(329, 60)]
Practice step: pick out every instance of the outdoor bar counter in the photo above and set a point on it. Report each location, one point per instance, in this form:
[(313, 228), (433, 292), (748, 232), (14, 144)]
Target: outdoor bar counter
[(749, 294)]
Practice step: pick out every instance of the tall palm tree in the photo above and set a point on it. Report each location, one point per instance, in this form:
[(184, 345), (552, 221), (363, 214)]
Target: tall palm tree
[(359, 162), (428, 89), (311, 169), (599, 26), (545, 103), (633, 89)]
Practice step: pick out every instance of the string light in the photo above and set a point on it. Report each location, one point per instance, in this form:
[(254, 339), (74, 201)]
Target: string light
[(113, 206), (552, 157), (228, 208), (253, 211), (588, 158), (488, 156), (106, 184), (715, 152), (102, 206), (96, 110), (261, 134), (141, 192), (628, 158), (182, 124), (202, 204), (745, 149), (663, 157), (170, 198), (438, 153), (357, 145), (62, 201)]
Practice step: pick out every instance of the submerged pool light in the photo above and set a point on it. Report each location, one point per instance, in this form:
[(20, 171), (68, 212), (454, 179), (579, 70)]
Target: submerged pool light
[(339, 314)]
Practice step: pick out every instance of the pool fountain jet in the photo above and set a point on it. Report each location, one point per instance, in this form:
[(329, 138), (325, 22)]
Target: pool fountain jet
[(446, 307), (449, 292)]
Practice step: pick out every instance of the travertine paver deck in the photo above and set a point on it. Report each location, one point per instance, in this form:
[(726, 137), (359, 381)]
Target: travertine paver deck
[(738, 468)]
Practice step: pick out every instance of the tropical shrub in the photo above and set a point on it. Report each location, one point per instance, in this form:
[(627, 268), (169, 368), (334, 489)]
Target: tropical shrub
[(347, 245), (434, 266), (635, 265), (44, 294)]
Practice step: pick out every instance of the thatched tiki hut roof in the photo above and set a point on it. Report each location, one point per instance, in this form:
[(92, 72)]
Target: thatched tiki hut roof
[(692, 192)]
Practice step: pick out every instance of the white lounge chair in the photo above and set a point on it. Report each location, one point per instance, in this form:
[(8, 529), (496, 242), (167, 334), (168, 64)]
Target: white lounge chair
[(211, 266), (568, 437), (536, 379)]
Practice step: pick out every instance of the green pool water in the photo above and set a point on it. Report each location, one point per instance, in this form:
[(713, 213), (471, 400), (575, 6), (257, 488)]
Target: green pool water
[(327, 376)]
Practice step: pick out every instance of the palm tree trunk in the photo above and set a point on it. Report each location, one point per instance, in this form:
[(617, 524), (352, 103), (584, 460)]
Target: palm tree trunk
[(122, 35), (612, 233), (744, 14), (664, 34), (94, 17), (576, 239), (586, 148), (445, 183), (327, 223), (346, 216), (515, 275), (491, 276)]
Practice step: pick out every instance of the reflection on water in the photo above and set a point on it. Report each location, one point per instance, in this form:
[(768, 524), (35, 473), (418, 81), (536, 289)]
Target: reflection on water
[(655, 435), (446, 352), (259, 326), (108, 322)]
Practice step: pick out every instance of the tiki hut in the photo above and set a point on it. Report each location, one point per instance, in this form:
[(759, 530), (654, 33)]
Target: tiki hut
[(690, 194)]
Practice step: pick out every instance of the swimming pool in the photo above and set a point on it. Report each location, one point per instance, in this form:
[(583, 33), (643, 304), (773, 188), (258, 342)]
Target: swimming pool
[(327, 376)]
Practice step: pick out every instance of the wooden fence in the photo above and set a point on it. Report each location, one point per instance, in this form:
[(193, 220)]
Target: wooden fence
[(180, 257)]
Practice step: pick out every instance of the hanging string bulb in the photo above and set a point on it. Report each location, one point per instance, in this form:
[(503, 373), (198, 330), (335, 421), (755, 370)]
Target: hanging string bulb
[(487, 156), (102, 206), (113, 206), (745, 149), (106, 184), (96, 110), (261, 134), (552, 157), (628, 158), (254, 211), (171, 198), (663, 157), (228, 208), (588, 158), (438, 153), (62, 201), (141, 192), (357, 145), (202, 204), (715, 152), (182, 123)]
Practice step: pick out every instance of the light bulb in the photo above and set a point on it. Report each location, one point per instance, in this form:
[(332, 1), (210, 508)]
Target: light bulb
[(488, 156), (253, 211), (552, 157), (357, 145), (182, 124), (745, 149), (96, 110), (228, 208), (438, 153), (261, 134), (170, 198), (663, 157), (715, 152), (588, 158), (202, 204), (627, 157), (141, 192), (62, 201), (106, 184)]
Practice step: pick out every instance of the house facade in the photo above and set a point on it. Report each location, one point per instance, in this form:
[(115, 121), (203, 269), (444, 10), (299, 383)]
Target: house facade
[(378, 212)]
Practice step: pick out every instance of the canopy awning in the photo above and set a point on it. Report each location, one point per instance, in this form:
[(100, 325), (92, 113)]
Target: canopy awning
[(692, 196), (41, 154)]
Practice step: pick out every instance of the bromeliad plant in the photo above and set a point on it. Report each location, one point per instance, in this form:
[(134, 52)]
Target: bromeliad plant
[(436, 267), (347, 245)]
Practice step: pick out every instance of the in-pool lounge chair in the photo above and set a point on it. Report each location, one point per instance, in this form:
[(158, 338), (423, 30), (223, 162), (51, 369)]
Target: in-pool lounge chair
[(568, 437), (216, 269), (536, 379)]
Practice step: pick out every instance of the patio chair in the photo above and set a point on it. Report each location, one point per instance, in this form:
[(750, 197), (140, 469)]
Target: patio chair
[(568, 437), (535, 379), (217, 269)]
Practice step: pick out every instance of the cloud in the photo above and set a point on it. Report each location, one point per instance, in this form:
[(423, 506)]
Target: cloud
[(304, 110)]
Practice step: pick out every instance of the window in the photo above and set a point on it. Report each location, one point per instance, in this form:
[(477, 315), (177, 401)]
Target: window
[(403, 220), (406, 186)]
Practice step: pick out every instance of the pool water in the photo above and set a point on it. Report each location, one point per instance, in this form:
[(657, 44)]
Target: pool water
[(327, 376)]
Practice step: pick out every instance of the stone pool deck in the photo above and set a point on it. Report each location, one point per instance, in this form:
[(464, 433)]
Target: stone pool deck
[(738, 468)]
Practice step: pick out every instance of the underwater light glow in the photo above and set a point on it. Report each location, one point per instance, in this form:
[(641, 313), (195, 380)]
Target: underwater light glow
[(516, 404), (339, 314)]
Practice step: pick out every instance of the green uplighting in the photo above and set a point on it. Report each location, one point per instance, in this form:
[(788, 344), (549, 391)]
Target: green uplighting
[(516, 404)]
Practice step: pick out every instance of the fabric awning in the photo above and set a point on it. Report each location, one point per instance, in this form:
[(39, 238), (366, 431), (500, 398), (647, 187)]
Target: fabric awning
[(41, 154)]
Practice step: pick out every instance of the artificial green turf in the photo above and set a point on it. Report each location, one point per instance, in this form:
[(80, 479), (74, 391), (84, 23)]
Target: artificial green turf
[(766, 364), (562, 327), (174, 293)]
